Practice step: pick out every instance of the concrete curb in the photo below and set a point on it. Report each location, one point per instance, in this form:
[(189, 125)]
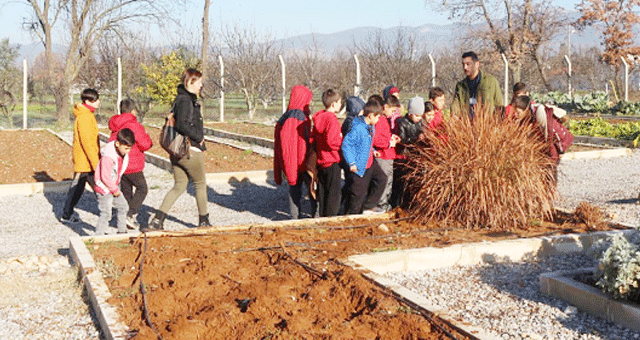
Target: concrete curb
[(603, 141), (264, 142), (609, 153), (589, 299)]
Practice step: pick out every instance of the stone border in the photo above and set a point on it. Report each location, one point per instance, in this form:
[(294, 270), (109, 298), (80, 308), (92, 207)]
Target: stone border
[(603, 141), (589, 299), (608, 153), (264, 142)]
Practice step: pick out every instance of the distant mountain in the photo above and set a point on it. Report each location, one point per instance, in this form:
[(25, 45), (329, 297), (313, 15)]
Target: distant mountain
[(31, 52)]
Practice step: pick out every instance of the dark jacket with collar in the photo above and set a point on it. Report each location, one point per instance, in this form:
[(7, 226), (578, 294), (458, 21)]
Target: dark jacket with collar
[(189, 122), (488, 93)]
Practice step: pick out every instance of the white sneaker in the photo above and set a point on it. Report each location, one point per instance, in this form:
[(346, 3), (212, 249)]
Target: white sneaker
[(132, 222)]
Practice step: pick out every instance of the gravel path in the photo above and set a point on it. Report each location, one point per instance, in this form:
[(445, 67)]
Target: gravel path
[(46, 303)]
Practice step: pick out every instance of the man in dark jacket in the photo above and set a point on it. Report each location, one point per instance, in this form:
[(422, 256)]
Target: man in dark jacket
[(476, 87), (291, 143)]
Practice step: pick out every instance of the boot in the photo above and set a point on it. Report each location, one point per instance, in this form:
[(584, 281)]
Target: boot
[(204, 221), (157, 222)]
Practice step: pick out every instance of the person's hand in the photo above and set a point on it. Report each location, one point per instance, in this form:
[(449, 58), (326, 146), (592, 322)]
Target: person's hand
[(117, 193), (202, 141), (353, 168), (376, 153), (395, 139)]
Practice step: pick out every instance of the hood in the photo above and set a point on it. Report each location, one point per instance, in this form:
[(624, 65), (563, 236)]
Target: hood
[(388, 91), (109, 150), (79, 109), (117, 122), (354, 105), (300, 98)]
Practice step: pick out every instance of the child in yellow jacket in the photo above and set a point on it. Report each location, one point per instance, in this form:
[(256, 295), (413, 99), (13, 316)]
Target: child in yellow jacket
[(86, 148)]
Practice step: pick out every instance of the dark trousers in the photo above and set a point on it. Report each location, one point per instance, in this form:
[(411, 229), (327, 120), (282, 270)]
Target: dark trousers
[(80, 179), (329, 183), (127, 183), (297, 195), (365, 192), (398, 191)]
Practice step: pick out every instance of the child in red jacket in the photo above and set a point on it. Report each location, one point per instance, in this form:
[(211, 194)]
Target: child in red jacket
[(292, 139), (384, 143), (133, 175), (327, 140)]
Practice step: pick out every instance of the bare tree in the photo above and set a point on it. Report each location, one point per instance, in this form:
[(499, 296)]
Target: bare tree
[(252, 65), (511, 26), (616, 21), (85, 22)]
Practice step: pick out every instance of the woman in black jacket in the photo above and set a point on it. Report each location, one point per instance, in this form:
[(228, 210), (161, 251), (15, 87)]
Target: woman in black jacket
[(186, 111)]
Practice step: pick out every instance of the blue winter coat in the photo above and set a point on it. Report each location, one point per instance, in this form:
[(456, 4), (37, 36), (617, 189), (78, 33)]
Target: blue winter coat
[(356, 146)]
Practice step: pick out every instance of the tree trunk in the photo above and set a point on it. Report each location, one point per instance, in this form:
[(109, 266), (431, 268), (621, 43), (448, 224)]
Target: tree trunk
[(61, 97), (543, 74)]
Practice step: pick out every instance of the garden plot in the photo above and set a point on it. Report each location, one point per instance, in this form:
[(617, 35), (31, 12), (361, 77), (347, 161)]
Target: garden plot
[(30, 156), (285, 280)]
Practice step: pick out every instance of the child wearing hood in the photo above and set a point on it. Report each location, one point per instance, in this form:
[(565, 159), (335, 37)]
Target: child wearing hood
[(133, 176), (86, 148), (292, 141), (113, 161)]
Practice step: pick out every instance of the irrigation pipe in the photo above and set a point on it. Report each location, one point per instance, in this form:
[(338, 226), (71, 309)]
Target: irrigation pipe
[(145, 309)]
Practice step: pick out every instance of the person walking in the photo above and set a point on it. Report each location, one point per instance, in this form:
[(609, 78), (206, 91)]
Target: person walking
[(189, 123)]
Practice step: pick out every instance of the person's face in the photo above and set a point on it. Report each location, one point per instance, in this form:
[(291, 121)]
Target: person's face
[(389, 110), (438, 102), (195, 87), (336, 106), (429, 115), (95, 104), (372, 118), (415, 118), (470, 67), (123, 150), (521, 114)]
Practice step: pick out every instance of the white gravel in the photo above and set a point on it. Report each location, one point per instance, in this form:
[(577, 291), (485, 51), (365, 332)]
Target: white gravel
[(29, 226)]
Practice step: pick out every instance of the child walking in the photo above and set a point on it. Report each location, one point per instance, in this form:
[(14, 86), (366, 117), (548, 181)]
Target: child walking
[(365, 178), (133, 175), (113, 162), (327, 140), (86, 147)]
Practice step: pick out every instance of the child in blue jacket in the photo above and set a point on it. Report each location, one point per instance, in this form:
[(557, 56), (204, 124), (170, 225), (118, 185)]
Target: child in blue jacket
[(365, 179)]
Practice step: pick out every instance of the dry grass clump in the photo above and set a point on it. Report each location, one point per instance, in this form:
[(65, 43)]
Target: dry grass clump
[(489, 173), (592, 216)]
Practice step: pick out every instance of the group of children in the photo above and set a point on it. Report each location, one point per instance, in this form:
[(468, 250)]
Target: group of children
[(369, 147), (113, 170)]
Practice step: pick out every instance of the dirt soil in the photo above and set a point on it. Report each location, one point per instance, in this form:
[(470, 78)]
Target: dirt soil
[(217, 157), (33, 156), (245, 128), (281, 283)]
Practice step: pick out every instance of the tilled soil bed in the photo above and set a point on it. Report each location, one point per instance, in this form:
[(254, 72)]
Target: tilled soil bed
[(245, 128), (217, 157), (269, 282), (29, 156)]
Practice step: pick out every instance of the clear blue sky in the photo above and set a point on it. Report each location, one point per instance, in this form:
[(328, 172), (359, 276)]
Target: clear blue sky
[(282, 18)]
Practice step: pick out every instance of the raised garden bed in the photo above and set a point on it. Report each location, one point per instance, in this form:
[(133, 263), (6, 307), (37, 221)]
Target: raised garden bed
[(31, 156), (278, 280), (245, 128)]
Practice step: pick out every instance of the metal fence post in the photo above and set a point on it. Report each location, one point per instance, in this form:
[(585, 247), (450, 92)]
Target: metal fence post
[(626, 79), (119, 85), (24, 94), (433, 71), (506, 79), (356, 87), (284, 84), (221, 88), (566, 58)]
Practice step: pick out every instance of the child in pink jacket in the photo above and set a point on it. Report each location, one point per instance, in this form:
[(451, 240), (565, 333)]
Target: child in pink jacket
[(113, 162)]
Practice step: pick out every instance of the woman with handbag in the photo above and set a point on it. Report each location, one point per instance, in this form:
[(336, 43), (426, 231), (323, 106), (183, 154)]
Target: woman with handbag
[(189, 123)]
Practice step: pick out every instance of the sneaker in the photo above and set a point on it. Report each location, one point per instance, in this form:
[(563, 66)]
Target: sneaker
[(132, 222), (72, 219), (374, 211)]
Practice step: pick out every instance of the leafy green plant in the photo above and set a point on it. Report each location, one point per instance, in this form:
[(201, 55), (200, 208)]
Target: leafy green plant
[(598, 127), (627, 108)]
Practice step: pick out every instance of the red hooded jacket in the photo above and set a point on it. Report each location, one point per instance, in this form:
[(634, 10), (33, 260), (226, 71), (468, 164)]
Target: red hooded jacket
[(143, 141), (382, 138), (327, 137), (292, 137)]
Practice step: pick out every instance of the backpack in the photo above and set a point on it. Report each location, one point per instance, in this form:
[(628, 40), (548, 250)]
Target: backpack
[(559, 136)]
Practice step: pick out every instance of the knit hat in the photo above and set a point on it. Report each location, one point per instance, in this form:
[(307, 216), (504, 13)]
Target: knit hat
[(354, 105), (389, 91), (416, 106)]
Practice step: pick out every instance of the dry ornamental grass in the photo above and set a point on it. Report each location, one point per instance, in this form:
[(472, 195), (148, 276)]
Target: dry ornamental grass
[(486, 173)]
